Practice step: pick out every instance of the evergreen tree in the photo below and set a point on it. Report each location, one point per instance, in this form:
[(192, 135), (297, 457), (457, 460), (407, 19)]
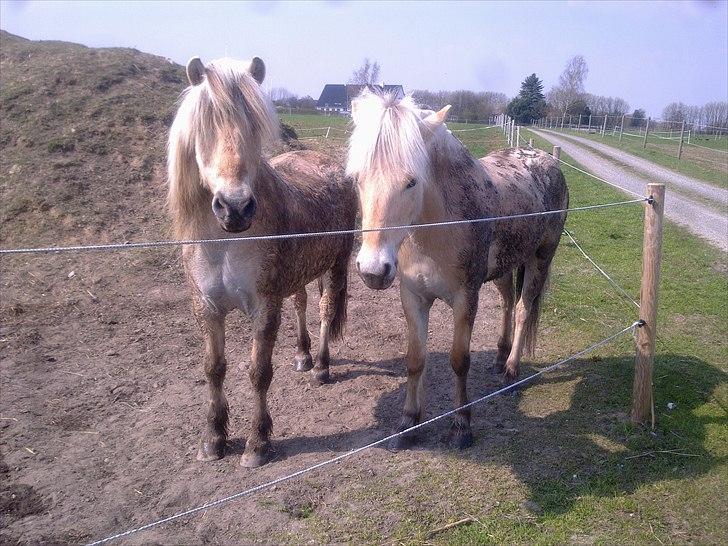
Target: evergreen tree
[(530, 104)]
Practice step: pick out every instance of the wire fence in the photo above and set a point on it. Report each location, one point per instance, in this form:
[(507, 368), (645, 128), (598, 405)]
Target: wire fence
[(272, 237), (670, 137), (256, 489)]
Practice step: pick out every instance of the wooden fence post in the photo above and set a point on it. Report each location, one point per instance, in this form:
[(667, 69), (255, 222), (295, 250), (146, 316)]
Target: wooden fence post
[(557, 152), (680, 146), (647, 130), (518, 136), (604, 125), (642, 396), (588, 129), (621, 128)]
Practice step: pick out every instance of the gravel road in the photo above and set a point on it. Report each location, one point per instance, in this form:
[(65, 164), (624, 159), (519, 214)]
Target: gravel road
[(675, 181), (708, 222)]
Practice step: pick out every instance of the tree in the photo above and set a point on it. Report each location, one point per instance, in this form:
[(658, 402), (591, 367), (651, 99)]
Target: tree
[(675, 111), (571, 84), (281, 96), (638, 118), (367, 73), (579, 108), (530, 104), (470, 105)]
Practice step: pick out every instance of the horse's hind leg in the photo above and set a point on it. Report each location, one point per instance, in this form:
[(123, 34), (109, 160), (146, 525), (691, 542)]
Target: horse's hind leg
[(332, 309), (257, 445), (464, 310), (417, 313), (212, 445), (504, 285), (527, 309), (302, 362)]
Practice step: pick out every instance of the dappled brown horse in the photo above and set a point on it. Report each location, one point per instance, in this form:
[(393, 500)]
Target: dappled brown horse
[(410, 169), (221, 186)]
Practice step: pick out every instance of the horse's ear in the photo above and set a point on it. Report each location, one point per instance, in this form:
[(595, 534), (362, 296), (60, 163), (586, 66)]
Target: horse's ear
[(257, 69), (436, 119), (195, 71)]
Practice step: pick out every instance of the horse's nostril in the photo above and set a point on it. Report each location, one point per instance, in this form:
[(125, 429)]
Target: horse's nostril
[(249, 207), (218, 206), (387, 269), (358, 266)]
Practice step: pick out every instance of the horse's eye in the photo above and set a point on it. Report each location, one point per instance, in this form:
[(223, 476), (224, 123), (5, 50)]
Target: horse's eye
[(412, 183)]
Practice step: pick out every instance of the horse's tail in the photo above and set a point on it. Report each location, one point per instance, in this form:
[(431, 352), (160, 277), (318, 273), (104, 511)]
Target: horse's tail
[(530, 326), (339, 294)]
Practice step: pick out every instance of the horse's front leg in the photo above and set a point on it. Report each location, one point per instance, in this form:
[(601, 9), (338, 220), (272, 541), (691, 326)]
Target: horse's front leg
[(257, 445), (212, 323), (465, 307), (302, 362), (417, 313)]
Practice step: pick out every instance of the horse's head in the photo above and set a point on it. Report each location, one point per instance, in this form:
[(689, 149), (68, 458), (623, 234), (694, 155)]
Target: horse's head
[(224, 120), (389, 159)]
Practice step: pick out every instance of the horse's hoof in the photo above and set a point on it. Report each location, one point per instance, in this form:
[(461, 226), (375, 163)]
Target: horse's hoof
[(462, 439), (302, 363), (320, 377), (509, 377), (400, 443), (253, 459), (211, 451)]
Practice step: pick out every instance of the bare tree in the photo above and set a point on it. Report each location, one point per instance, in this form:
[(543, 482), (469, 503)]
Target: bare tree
[(281, 95), (675, 111), (571, 84), (600, 105), (368, 72)]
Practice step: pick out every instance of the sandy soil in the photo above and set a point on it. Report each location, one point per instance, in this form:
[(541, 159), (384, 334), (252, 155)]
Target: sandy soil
[(103, 400)]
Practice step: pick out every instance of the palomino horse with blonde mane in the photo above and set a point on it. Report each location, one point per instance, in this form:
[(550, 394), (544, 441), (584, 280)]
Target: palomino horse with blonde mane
[(409, 170), (220, 186)]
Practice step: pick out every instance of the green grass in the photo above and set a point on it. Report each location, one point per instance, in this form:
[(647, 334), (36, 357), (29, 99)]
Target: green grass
[(706, 165), (593, 476)]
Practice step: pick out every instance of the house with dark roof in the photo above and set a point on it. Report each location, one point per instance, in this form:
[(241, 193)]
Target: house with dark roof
[(336, 97)]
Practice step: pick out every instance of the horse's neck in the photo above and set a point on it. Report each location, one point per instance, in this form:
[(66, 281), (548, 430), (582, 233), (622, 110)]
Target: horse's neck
[(452, 171)]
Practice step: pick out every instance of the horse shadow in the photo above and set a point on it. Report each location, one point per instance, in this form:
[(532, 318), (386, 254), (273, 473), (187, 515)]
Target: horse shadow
[(563, 436)]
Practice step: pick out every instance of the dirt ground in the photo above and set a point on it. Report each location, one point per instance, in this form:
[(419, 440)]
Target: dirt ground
[(103, 401)]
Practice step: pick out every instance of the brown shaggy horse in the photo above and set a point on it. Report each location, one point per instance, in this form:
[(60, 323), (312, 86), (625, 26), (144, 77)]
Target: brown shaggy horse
[(410, 169), (220, 186)]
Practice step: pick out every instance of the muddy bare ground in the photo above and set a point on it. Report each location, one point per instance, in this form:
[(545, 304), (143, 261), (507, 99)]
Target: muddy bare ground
[(103, 401)]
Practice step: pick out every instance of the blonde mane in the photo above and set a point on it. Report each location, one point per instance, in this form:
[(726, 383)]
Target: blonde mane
[(227, 104), (387, 138)]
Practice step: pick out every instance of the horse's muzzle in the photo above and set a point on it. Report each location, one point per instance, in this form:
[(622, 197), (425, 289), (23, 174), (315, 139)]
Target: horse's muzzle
[(234, 215), (380, 279)]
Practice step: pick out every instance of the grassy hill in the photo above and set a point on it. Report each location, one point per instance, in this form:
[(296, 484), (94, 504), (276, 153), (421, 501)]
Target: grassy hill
[(82, 139)]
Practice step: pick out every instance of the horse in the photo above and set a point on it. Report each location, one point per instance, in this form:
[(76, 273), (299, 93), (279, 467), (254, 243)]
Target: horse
[(220, 186), (410, 169)]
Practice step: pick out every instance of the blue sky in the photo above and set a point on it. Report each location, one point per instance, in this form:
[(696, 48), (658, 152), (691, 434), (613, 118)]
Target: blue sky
[(649, 53)]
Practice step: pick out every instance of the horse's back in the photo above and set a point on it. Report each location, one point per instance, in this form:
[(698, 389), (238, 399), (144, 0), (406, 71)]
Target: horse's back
[(523, 181)]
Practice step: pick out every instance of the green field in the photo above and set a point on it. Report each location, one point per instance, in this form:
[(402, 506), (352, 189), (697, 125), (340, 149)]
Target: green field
[(707, 165), (589, 476)]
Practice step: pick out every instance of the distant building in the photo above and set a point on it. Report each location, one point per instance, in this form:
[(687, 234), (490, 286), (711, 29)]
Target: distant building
[(336, 97)]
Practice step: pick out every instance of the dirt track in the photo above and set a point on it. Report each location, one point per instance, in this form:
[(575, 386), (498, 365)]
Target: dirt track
[(705, 221)]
